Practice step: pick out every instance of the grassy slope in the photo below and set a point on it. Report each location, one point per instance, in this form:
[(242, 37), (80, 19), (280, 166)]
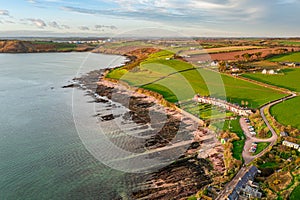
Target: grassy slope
[(185, 84), (285, 112)]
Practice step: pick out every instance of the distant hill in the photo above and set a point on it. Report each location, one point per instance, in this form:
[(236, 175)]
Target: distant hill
[(16, 46)]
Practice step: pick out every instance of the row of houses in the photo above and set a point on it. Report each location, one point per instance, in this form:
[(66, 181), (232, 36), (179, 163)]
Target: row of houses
[(291, 64), (246, 188), (223, 104), (269, 71), (291, 144)]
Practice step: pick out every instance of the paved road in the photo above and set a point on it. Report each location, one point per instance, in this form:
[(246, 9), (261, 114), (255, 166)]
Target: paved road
[(246, 155), (249, 139), (231, 185)]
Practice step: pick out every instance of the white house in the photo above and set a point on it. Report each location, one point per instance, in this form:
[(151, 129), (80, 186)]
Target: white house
[(291, 144), (271, 71), (223, 104), (214, 64), (264, 71)]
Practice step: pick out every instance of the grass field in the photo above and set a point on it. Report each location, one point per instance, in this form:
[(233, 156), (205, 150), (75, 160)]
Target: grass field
[(291, 57), (260, 147), (287, 113), (295, 193), (205, 111), (220, 50), (234, 126), (272, 165), (289, 78), (178, 81), (290, 43), (59, 46)]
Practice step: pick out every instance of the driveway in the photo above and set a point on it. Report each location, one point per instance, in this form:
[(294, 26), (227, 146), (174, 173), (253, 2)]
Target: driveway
[(249, 139)]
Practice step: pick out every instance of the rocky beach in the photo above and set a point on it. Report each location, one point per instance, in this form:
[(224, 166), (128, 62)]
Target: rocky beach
[(189, 153)]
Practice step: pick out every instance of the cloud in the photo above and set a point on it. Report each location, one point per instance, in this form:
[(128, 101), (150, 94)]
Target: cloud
[(101, 27), (9, 22), (65, 26), (37, 22), (4, 12), (84, 28), (32, 1), (174, 11), (286, 1), (54, 24)]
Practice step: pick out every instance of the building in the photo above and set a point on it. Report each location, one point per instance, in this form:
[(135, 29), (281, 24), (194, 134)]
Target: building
[(246, 188), (214, 64), (224, 105), (268, 72), (291, 144), (235, 69), (283, 134)]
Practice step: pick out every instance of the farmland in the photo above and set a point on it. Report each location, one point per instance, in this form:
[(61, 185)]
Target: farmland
[(288, 78), (158, 73), (227, 56), (291, 57), (289, 42), (219, 50), (285, 113)]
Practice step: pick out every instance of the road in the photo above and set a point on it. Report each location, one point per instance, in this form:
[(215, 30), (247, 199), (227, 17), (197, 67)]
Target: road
[(249, 139)]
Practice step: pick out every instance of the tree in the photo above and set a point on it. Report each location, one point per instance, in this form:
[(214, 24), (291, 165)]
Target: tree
[(222, 66), (258, 55), (237, 57), (246, 56)]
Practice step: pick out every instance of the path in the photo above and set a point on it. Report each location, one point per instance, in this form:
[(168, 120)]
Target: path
[(249, 139)]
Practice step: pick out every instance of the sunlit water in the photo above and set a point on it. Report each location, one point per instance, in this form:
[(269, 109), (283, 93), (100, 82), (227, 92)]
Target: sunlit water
[(41, 154)]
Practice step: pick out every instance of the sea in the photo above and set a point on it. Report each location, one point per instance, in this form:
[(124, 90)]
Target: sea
[(41, 153)]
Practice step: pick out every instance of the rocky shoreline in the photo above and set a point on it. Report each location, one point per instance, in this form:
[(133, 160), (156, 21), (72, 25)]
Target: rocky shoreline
[(190, 171)]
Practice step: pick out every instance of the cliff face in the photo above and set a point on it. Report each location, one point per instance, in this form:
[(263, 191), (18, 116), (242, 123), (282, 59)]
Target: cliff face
[(15, 46)]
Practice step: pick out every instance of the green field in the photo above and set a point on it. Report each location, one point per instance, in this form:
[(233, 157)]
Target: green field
[(291, 57), (62, 46), (289, 42), (287, 113), (178, 81), (204, 111), (272, 165), (260, 147), (295, 193), (289, 78), (234, 126)]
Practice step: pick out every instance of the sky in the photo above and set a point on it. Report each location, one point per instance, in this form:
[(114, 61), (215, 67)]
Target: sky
[(202, 18)]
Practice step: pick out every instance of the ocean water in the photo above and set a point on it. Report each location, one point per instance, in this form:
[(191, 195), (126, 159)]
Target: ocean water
[(41, 153)]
